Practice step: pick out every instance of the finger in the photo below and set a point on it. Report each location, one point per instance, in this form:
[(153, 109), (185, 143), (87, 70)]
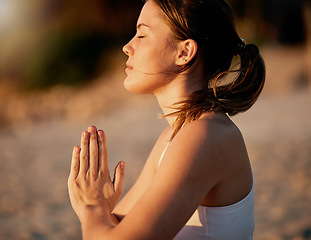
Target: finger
[(118, 178), (84, 154), (75, 163), (103, 154), (93, 152)]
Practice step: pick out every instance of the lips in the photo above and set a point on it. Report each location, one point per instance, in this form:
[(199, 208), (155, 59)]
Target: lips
[(128, 66)]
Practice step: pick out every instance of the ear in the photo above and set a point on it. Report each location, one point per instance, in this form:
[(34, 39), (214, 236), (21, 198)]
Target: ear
[(187, 50)]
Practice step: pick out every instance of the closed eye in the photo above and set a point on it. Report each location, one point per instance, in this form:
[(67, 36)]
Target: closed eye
[(140, 37)]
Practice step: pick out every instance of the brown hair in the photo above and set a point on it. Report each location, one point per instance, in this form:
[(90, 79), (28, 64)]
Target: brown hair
[(210, 23)]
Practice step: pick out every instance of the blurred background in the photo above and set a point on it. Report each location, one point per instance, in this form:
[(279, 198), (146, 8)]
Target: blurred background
[(62, 69)]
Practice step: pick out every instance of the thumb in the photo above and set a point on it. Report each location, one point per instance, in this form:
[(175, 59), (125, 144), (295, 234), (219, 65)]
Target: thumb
[(118, 178)]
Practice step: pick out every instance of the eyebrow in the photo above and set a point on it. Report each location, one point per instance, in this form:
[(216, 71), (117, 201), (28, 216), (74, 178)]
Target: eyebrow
[(142, 25)]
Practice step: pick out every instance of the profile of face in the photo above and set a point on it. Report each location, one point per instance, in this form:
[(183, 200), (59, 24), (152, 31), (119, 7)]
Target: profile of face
[(151, 53)]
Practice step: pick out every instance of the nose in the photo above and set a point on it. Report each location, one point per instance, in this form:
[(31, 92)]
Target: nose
[(127, 49)]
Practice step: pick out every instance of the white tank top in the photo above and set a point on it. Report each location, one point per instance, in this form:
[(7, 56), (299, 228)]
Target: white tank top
[(234, 222)]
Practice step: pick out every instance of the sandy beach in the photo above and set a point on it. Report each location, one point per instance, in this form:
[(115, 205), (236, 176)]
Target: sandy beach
[(38, 132)]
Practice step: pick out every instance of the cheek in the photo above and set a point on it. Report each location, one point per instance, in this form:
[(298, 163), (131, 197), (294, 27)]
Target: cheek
[(159, 59)]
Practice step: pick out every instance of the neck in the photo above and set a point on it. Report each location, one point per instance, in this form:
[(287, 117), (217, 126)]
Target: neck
[(167, 105), (172, 93)]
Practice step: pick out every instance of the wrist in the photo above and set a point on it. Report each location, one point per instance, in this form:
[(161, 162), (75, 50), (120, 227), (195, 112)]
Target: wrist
[(89, 210), (95, 213), (95, 220)]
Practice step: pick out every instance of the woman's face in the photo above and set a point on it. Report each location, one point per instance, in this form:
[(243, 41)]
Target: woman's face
[(151, 53)]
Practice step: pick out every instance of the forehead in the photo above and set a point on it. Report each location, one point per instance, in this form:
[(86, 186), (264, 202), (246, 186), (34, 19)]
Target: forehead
[(151, 15)]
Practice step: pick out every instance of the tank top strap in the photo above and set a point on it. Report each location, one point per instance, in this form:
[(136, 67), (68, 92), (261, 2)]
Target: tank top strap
[(162, 155)]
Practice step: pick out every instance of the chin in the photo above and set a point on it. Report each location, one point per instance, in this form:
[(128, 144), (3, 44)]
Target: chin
[(136, 87)]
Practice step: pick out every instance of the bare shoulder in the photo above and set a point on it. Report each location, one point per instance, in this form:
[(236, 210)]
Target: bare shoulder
[(213, 143), (209, 144), (216, 146), (214, 130)]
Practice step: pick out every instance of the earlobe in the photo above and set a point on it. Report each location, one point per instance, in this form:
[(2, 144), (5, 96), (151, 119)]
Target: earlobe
[(186, 52)]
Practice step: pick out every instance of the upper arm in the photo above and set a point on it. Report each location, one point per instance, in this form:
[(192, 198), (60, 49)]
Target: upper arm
[(188, 171)]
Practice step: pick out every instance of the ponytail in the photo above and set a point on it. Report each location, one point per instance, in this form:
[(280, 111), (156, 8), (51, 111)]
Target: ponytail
[(232, 98), (242, 93)]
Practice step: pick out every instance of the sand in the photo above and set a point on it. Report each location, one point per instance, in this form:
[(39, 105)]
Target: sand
[(36, 145)]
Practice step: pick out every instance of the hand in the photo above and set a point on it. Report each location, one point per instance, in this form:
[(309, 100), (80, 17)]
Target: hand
[(89, 182)]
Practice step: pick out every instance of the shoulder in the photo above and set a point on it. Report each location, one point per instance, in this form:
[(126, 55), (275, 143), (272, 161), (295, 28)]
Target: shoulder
[(213, 144), (215, 130), (201, 154)]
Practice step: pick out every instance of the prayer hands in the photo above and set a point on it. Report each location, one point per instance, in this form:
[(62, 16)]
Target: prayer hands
[(89, 182)]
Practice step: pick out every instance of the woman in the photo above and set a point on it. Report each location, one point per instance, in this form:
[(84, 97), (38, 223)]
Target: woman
[(197, 182)]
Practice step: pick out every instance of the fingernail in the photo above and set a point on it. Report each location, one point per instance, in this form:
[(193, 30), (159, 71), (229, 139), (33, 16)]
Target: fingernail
[(101, 134), (92, 129), (85, 135), (122, 165), (77, 149)]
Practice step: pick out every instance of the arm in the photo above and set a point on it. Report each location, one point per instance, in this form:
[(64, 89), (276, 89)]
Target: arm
[(180, 184)]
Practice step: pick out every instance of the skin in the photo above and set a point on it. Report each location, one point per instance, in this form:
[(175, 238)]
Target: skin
[(206, 163)]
